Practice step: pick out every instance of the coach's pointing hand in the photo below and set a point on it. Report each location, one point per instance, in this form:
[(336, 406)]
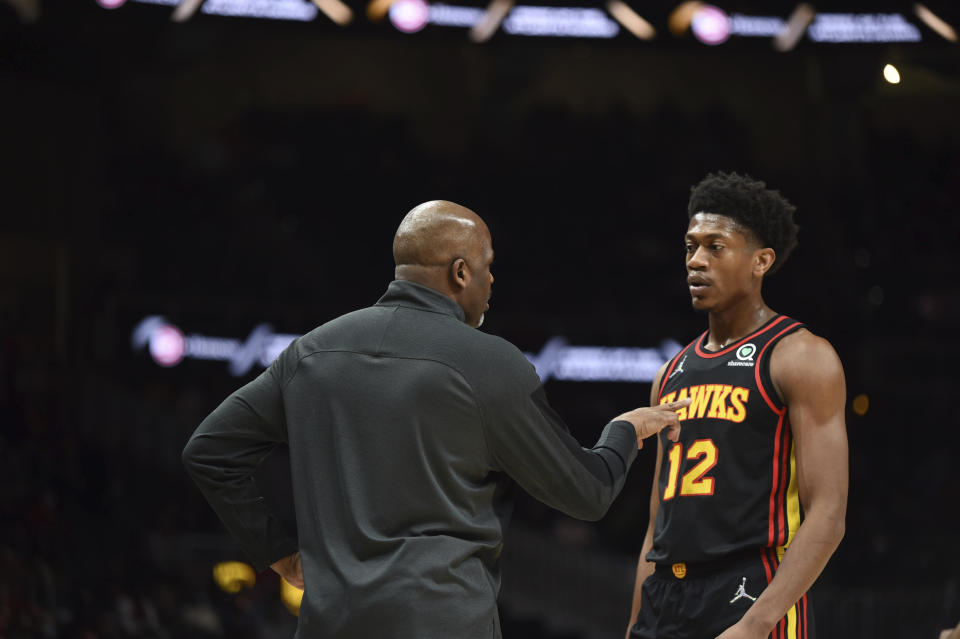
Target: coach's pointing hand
[(650, 421)]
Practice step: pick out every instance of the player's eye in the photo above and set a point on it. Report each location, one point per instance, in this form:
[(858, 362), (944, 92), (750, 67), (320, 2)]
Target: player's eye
[(716, 247)]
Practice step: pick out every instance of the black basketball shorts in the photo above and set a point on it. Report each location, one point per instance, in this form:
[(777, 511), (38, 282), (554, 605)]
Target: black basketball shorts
[(700, 601)]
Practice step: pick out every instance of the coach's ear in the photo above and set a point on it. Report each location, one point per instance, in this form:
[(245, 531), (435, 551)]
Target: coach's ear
[(459, 274), (763, 260)]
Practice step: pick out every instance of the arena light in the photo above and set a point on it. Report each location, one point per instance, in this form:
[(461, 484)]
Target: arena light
[(710, 25), (861, 404), (933, 21), (492, 17), (409, 16), (631, 20), (679, 20), (185, 10), (796, 26), (891, 74), (338, 12), (377, 9)]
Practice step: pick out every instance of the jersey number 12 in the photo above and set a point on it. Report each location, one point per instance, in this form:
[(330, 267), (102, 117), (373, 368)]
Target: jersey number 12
[(693, 482)]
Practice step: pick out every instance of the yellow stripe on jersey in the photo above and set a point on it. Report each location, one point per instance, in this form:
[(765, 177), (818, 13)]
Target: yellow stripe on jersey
[(793, 503), (792, 622), (793, 497)]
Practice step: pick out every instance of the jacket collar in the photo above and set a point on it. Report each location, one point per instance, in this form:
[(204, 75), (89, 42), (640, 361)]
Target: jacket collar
[(412, 295)]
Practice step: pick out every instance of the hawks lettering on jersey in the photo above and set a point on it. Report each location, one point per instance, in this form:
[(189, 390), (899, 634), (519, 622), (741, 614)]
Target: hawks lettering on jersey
[(725, 402)]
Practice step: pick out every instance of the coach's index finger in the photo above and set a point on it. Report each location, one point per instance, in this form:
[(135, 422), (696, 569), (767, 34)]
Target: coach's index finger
[(677, 405)]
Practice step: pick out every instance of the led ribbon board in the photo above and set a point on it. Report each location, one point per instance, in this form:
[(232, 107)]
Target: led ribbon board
[(168, 345), (298, 10), (410, 16), (713, 26)]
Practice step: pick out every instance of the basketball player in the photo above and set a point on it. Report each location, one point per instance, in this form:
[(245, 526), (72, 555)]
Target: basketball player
[(748, 506)]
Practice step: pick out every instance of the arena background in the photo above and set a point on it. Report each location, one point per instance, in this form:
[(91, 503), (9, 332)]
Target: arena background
[(227, 172)]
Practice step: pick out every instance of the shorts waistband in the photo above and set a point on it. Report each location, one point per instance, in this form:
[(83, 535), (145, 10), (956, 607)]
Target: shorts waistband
[(682, 570)]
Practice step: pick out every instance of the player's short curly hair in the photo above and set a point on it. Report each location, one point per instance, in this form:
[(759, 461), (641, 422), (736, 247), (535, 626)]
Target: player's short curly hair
[(762, 211)]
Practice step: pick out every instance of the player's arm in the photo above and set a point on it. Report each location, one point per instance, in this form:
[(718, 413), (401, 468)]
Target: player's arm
[(809, 377), (645, 568)]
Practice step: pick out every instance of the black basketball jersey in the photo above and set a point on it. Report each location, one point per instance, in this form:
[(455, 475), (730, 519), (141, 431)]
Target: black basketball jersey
[(730, 483)]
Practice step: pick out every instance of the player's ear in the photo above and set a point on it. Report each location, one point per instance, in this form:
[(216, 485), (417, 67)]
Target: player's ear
[(763, 260), (459, 274)]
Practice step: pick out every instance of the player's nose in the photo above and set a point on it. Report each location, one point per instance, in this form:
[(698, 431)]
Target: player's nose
[(698, 259)]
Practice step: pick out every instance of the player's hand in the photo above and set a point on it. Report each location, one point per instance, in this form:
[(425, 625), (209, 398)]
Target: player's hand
[(290, 569), (951, 634), (650, 421)]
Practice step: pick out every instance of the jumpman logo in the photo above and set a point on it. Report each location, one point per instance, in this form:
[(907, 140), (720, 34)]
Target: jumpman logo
[(741, 592), (679, 367)]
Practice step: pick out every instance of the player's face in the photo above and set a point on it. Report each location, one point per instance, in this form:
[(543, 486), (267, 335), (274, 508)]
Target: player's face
[(720, 262), (476, 298)]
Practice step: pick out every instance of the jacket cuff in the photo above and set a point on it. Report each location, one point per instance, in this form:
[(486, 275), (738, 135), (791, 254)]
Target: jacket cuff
[(621, 438)]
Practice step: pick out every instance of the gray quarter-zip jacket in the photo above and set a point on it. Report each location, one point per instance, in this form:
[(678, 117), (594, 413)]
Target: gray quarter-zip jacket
[(407, 430)]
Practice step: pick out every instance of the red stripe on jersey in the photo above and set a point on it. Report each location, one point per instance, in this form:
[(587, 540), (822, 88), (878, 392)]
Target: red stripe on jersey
[(774, 487), (784, 467), (802, 618), (724, 351), (756, 369), (766, 566), (666, 375), (781, 631), (770, 565)]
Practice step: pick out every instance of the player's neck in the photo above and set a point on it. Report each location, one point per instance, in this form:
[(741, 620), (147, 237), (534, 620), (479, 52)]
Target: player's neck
[(734, 323)]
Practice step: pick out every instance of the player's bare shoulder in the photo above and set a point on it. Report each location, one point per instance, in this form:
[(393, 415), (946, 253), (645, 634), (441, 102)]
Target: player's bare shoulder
[(658, 382), (803, 359)]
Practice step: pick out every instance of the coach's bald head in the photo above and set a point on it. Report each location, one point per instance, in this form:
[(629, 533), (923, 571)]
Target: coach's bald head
[(447, 247)]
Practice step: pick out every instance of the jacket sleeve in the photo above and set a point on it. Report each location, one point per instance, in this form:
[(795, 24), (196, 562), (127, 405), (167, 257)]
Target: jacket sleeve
[(530, 442), (223, 455)]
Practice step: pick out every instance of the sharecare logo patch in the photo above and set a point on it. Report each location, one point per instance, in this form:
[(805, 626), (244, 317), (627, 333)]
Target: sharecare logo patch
[(746, 352), (744, 356)]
